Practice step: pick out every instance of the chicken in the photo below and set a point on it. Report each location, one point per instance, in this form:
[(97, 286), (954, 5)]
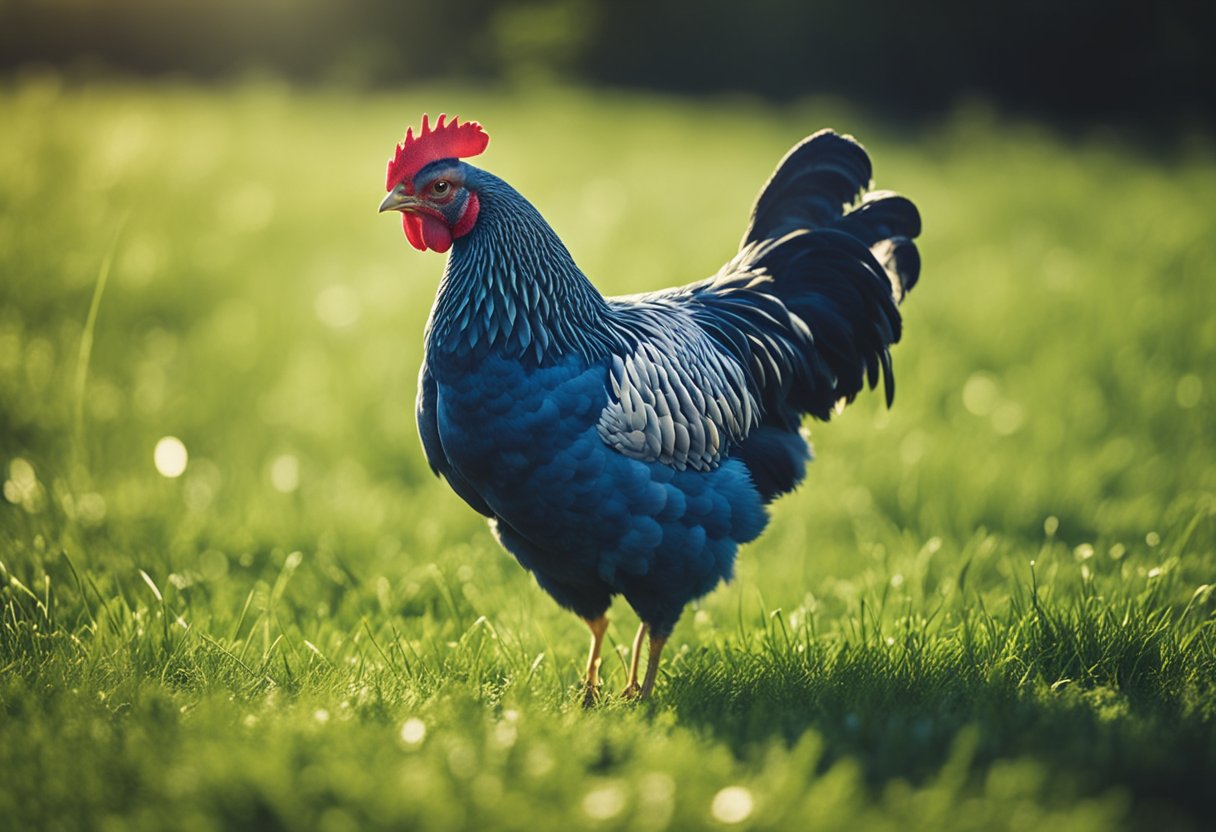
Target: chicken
[(628, 445)]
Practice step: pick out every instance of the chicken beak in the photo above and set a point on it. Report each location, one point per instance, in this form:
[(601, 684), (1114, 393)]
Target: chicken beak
[(398, 200)]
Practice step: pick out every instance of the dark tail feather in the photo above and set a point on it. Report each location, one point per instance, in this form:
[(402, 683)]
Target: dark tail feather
[(813, 187), (833, 283), (810, 305), (810, 187), (887, 223)]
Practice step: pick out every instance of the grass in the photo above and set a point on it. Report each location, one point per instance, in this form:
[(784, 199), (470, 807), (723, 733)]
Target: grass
[(989, 608)]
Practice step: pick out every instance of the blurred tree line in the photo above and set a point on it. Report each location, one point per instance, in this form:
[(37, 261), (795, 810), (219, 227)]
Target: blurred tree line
[(1089, 59)]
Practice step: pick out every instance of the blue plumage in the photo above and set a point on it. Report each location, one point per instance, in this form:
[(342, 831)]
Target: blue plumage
[(629, 445)]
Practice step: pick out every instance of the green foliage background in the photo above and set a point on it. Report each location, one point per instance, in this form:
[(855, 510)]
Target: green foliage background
[(1116, 61), (988, 608)]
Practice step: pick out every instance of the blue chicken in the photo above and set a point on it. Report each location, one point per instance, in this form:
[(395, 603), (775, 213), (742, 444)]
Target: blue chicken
[(628, 445)]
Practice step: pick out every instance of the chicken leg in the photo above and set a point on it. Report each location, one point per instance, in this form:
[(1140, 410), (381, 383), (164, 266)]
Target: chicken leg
[(632, 690), (591, 682), (652, 665), (635, 661)]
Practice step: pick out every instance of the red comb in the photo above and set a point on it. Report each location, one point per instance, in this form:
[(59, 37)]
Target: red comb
[(447, 141)]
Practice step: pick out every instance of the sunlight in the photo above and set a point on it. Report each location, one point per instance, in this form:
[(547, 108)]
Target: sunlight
[(285, 473), (170, 457), (733, 804), (338, 306), (604, 802), (413, 731)]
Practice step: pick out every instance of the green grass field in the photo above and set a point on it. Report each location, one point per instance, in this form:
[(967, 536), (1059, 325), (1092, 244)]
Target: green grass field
[(988, 608)]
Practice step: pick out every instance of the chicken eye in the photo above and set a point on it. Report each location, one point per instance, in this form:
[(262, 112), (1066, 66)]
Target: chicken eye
[(441, 187)]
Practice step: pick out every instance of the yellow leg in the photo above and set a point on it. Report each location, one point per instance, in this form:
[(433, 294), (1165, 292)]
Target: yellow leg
[(652, 665), (635, 661), (598, 627)]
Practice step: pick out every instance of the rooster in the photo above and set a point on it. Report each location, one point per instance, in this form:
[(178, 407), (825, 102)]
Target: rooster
[(628, 445)]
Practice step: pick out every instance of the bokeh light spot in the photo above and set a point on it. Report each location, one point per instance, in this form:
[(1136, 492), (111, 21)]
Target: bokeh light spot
[(91, 508), (980, 394), (413, 731), (21, 472), (605, 802), (1008, 418), (1189, 390), (733, 804), (1051, 525), (338, 306), (285, 473), (213, 564), (248, 208), (656, 794), (171, 457), (22, 487)]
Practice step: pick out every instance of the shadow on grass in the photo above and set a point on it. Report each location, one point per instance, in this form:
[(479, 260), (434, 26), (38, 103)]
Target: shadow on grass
[(1130, 718)]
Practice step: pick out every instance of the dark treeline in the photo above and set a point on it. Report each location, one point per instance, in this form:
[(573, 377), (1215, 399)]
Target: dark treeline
[(1086, 59)]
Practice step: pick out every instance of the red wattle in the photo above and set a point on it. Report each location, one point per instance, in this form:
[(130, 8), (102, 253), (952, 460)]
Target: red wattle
[(426, 232), (413, 230), (435, 233)]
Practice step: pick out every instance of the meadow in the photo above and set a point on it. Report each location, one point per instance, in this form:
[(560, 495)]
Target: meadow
[(989, 607)]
